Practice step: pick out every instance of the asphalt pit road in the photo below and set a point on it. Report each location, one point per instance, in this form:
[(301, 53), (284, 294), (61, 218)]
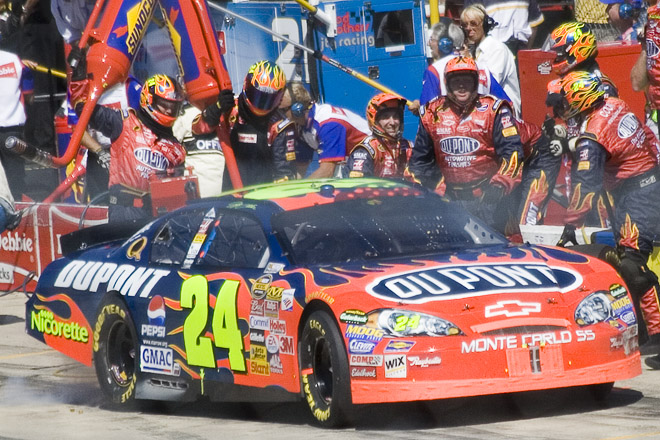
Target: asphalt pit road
[(9, 319)]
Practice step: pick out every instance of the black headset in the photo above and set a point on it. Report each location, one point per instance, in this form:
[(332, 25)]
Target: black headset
[(488, 23)]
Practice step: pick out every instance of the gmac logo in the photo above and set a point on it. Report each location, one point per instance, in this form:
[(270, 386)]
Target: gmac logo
[(457, 281)]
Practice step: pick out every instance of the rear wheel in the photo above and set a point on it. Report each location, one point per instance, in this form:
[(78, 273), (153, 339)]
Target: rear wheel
[(115, 351), (324, 371)]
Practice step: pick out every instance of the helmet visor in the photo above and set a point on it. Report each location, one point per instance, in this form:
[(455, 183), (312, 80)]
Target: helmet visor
[(166, 106), (264, 100)]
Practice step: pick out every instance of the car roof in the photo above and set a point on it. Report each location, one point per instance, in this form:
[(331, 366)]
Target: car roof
[(297, 194)]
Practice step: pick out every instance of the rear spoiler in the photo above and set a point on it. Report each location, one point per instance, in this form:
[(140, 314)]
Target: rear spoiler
[(95, 235)]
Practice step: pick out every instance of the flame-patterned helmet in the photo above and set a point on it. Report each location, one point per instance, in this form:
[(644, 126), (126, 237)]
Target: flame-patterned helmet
[(574, 43), (583, 91), (380, 103), (161, 98), (263, 87)]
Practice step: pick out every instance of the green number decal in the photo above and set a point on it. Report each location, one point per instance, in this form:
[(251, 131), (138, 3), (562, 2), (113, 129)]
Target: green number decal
[(199, 349), (195, 296), (225, 325)]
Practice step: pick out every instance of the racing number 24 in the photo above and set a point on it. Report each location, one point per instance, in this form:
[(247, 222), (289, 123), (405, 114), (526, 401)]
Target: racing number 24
[(224, 324)]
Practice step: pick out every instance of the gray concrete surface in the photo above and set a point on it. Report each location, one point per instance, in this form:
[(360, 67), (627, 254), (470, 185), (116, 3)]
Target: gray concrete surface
[(45, 395)]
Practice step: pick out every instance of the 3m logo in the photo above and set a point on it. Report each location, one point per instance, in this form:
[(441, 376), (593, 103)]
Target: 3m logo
[(512, 308)]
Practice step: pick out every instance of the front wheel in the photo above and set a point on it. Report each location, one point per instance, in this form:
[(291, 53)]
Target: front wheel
[(115, 350), (324, 371)]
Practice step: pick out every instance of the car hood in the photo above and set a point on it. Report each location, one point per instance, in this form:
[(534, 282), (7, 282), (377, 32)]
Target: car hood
[(492, 270)]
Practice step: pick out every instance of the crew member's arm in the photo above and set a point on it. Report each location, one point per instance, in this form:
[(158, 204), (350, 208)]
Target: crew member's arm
[(332, 149), (360, 162), (508, 148), (422, 165), (638, 74), (587, 177), (283, 147)]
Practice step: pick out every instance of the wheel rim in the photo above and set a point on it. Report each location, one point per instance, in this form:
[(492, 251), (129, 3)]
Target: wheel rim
[(322, 367), (121, 353)]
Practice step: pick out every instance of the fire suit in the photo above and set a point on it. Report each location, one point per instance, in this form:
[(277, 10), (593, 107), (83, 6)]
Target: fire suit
[(264, 146), (376, 156), (618, 154), (139, 148), (540, 171), (478, 153)]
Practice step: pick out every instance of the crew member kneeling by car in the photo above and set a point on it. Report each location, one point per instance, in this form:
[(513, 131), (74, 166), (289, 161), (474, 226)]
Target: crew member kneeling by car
[(616, 153), (142, 142), (469, 142)]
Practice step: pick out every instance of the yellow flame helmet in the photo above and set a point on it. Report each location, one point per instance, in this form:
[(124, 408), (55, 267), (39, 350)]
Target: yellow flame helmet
[(583, 91), (574, 43), (263, 87), (161, 98)]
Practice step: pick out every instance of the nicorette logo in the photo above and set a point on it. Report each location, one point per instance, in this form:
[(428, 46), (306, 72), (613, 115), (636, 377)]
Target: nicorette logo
[(457, 145), (452, 282), (45, 322), (16, 243)]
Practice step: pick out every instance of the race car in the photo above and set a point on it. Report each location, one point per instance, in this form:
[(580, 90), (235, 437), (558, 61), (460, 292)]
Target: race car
[(337, 292)]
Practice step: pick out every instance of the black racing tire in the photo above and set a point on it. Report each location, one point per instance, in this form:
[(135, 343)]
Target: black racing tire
[(116, 351), (324, 372)]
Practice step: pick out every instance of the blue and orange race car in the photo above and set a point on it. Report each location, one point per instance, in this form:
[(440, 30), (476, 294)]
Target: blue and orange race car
[(337, 292)]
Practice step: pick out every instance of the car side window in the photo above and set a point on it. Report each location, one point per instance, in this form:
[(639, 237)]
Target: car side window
[(236, 240), (171, 243)]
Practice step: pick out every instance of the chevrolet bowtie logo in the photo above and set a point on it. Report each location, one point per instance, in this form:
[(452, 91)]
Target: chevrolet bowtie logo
[(512, 308)]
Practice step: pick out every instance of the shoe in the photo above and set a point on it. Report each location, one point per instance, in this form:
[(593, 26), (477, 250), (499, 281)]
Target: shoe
[(651, 346), (653, 362)]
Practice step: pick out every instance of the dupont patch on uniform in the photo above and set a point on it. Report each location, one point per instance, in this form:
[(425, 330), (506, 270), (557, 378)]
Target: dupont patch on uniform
[(583, 165), (511, 131)]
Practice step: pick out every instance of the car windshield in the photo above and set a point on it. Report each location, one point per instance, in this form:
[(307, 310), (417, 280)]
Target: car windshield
[(365, 229)]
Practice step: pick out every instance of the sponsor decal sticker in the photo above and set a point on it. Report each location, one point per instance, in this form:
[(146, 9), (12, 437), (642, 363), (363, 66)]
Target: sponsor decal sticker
[(395, 366), (94, 276), (398, 346), (287, 300), (286, 345), (158, 360), (457, 281), (363, 372), (417, 361), (260, 286), (353, 316), (156, 316), (363, 333), (366, 360), (361, 347)]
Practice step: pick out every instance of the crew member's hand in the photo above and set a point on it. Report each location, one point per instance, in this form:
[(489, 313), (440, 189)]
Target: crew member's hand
[(493, 194), (103, 159), (567, 236), (225, 101)]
